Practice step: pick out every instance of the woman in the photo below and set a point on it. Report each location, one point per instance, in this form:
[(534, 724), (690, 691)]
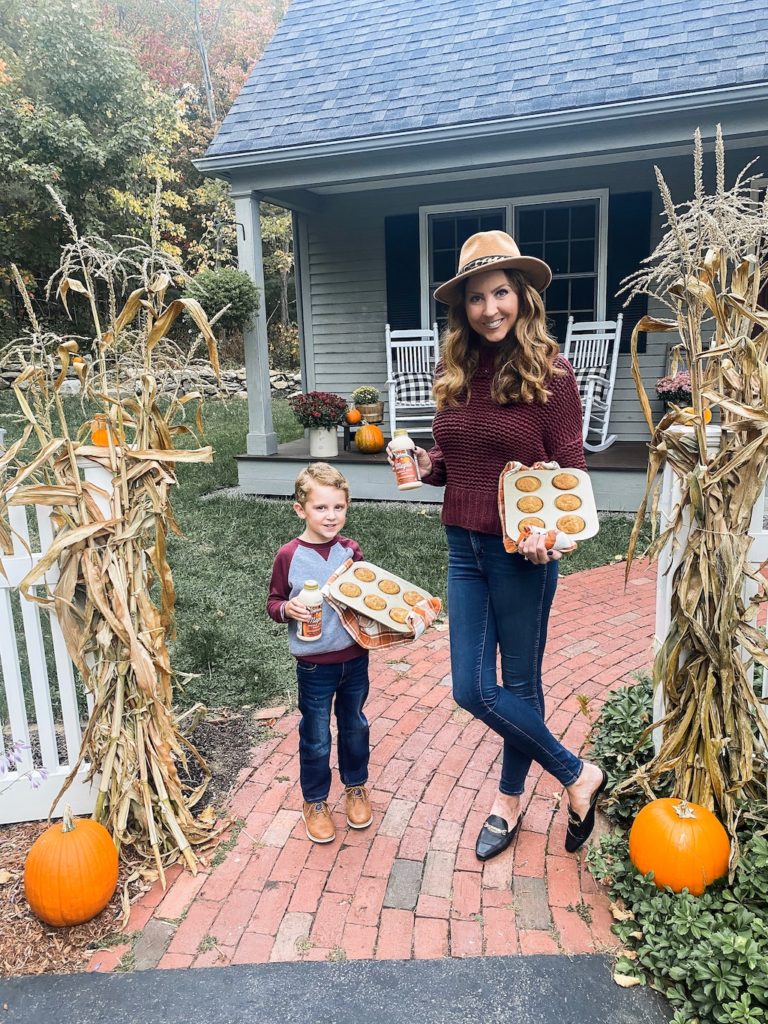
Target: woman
[(503, 393)]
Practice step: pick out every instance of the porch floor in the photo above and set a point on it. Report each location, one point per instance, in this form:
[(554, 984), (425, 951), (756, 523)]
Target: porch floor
[(410, 886), (621, 456), (618, 474)]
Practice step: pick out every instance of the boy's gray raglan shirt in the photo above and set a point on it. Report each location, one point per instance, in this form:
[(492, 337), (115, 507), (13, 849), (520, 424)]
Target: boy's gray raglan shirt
[(297, 562)]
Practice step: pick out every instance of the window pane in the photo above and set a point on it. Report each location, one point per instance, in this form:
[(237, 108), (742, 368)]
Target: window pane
[(444, 265), (584, 221), (557, 223), (532, 249), (556, 255), (558, 324), (583, 294), (443, 233), (530, 227), (492, 222), (582, 257), (466, 226), (556, 296)]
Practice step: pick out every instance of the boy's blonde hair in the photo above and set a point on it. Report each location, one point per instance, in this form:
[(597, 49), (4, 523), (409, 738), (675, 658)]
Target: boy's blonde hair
[(319, 473)]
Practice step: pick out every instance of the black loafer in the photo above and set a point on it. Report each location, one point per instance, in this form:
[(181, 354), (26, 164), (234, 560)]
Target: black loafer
[(495, 836), (580, 829)]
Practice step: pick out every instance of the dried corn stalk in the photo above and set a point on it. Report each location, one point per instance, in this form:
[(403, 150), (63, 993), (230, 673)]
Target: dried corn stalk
[(709, 269), (115, 595)]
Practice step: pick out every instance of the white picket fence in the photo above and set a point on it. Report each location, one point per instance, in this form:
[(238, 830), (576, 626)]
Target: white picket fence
[(669, 559), (51, 738)]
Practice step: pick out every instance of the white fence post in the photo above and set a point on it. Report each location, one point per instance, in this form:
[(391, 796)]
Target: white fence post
[(32, 720), (670, 556)]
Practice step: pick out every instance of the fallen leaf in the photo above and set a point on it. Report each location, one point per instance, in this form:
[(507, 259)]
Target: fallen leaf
[(208, 816), (626, 980), (620, 914), (5, 876), (264, 714)]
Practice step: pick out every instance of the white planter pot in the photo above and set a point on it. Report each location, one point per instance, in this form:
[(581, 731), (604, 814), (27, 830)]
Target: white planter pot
[(323, 442)]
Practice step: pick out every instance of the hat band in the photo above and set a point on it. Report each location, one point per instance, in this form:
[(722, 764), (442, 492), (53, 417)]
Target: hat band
[(483, 261)]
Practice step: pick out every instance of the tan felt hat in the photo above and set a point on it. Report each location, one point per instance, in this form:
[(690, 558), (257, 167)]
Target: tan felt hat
[(493, 250)]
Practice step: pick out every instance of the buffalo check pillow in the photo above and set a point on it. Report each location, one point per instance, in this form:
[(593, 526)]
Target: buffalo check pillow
[(413, 388), (586, 374)]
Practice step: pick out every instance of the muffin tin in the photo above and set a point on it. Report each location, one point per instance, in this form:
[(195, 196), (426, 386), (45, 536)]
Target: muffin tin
[(370, 588), (547, 514)]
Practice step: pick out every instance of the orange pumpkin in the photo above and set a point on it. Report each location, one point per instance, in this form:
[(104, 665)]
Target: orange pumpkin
[(353, 416), (71, 871), (683, 844), (369, 439), (100, 431)]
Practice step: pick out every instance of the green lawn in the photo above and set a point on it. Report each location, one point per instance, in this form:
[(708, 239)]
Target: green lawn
[(222, 566)]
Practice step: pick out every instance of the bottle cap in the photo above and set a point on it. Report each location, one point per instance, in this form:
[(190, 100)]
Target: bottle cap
[(400, 433), (311, 585)]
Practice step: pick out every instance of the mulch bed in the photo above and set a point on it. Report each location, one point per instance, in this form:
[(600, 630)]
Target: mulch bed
[(27, 946)]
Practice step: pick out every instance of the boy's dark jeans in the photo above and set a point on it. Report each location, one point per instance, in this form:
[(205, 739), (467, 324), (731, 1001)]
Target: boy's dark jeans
[(318, 684)]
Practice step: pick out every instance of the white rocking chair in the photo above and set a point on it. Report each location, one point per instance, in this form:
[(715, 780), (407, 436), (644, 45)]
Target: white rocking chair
[(411, 360), (592, 348)]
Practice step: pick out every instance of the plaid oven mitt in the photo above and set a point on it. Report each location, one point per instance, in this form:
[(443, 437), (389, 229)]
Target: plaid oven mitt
[(371, 634), (510, 545)]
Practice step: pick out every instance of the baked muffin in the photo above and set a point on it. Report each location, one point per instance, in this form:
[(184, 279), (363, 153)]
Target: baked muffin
[(567, 502), (530, 503), (376, 603), (565, 481), (366, 575), (528, 483), (530, 521), (389, 587), (412, 597), (350, 589), (571, 524), (399, 615)]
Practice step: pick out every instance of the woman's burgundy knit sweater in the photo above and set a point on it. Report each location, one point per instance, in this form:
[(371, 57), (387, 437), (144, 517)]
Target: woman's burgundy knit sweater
[(475, 439)]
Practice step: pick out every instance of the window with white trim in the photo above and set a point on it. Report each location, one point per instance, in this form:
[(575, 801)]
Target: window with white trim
[(569, 233)]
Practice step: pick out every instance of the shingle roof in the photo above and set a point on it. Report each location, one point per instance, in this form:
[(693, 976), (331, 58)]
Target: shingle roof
[(345, 69)]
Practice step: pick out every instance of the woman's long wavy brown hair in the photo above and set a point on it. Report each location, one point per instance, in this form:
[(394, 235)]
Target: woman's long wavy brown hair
[(525, 362)]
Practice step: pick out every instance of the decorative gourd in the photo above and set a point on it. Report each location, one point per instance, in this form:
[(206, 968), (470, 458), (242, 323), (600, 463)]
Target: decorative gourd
[(353, 416), (369, 439), (683, 844), (71, 871), (100, 431)]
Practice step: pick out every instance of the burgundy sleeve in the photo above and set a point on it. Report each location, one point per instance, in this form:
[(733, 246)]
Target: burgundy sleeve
[(563, 439), (279, 585), (437, 476), (357, 554)]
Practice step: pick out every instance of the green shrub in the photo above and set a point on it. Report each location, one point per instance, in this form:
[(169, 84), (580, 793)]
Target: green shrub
[(283, 346), (708, 954), (215, 289)]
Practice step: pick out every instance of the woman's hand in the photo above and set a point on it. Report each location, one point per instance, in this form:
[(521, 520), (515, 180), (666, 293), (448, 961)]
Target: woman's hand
[(533, 549), (294, 609), (423, 460)]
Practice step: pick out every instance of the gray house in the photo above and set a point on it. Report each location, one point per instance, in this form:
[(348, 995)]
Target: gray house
[(393, 130)]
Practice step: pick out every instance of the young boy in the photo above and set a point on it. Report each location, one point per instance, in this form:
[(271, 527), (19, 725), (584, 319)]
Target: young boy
[(332, 665)]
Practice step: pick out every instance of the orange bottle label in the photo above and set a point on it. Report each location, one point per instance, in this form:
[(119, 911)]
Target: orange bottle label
[(313, 628), (406, 471)]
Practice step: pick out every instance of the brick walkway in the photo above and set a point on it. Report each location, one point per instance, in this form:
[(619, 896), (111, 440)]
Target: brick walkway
[(410, 885)]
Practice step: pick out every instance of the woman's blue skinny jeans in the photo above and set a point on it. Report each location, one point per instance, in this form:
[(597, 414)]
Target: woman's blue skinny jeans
[(498, 600)]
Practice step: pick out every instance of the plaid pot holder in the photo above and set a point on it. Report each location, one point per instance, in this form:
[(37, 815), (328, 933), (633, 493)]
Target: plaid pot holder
[(510, 545), (373, 635)]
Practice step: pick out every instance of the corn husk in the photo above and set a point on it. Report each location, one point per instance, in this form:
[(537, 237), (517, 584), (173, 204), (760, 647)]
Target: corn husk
[(709, 269)]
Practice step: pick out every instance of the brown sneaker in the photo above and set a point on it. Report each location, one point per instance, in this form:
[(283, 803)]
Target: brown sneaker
[(359, 813), (319, 823)]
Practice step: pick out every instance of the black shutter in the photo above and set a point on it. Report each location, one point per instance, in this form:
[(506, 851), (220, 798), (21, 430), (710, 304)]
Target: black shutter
[(401, 239), (629, 242)]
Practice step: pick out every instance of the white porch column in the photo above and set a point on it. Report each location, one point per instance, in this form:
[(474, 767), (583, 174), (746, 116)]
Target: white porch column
[(262, 439)]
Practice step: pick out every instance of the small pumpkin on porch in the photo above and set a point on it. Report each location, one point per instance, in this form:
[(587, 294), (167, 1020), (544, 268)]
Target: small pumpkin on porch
[(682, 843), (369, 439), (353, 416), (71, 871)]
